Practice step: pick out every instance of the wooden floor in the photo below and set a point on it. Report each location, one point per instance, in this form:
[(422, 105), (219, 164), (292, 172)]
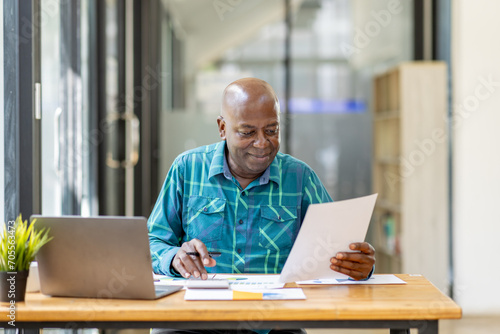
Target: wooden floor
[(466, 325)]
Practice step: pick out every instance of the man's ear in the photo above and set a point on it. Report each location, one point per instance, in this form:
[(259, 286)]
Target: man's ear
[(222, 127)]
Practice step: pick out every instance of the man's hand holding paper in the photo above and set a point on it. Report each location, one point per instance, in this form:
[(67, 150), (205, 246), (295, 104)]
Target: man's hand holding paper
[(356, 265), (328, 244)]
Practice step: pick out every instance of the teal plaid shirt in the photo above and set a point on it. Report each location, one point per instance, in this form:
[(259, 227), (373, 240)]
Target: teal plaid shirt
[(254, 228)]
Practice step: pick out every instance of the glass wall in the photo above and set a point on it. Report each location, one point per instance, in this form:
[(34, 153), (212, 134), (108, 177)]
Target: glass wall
[(66, 142), (51, 110), (98, 79)]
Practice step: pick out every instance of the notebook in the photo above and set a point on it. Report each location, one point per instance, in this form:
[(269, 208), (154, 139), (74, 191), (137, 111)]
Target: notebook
[(97, 257)]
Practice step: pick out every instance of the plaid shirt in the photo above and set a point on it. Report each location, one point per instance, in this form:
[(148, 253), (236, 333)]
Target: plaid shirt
[(254, 228)]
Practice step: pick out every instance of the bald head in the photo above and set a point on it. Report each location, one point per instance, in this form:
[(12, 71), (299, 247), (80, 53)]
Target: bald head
[(249, 123), (247, 94)]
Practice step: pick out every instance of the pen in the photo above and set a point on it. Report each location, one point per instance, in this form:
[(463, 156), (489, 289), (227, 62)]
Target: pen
[(211, 254)]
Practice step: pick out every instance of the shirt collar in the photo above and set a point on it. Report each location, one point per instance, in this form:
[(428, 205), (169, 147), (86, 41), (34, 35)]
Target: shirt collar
[(219, 166)]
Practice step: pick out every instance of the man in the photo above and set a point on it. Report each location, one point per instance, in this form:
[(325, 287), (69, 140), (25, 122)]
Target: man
[(241, 197)]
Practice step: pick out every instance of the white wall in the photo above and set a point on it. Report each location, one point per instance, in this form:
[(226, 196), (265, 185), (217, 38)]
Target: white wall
[(476, 134), (2, 190)]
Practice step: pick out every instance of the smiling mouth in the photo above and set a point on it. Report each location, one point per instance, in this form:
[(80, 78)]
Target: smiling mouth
[(260, 157)]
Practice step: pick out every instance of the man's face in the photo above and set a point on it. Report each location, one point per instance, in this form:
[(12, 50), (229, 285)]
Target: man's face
[(252, 138)]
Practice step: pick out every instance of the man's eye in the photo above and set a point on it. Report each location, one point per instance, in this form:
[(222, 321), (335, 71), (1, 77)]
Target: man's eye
[(272, 132), (246, 134)]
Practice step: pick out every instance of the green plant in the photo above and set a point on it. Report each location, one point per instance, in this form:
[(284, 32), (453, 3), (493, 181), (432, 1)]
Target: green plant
[(20, 243)]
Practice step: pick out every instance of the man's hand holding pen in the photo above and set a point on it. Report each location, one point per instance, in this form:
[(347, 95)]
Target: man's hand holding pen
[(192, 258)]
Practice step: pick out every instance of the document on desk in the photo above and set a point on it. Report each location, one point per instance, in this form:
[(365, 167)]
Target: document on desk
[(228, 294), (374, 280), (328, 228), (236, 282), (251, 282)]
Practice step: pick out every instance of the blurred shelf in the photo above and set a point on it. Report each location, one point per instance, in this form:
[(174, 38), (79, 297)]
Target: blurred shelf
[(388, 160), (411, 216), (386, 115), (387, 205)]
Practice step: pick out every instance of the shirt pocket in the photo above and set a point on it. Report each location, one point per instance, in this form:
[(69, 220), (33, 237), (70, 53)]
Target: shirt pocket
[(205, 218), (278, 227)]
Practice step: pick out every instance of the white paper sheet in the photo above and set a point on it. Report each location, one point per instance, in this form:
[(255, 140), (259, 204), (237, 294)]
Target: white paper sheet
[(375, 279), (327, 229)]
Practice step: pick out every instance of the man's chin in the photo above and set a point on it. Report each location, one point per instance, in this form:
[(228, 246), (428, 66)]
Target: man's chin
[(257, 168)]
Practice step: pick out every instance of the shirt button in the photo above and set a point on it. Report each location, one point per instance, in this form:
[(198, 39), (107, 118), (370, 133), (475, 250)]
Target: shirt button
[(243, 193), (279, 217), (239, 250), (205, 209), (241, 222)]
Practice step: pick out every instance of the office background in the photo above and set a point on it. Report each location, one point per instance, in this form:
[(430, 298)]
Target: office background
[(109, 68)]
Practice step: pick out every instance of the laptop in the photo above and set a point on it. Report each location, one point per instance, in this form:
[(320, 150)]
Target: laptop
[(97, 257)]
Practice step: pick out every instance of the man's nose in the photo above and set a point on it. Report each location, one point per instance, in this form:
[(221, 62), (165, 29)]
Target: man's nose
[(261, 140)]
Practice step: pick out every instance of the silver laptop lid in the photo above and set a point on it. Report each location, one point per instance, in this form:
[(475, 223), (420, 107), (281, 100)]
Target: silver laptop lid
[(97, 257)]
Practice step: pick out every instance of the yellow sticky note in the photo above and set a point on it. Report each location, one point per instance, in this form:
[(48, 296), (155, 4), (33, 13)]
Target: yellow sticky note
[(245, 295)]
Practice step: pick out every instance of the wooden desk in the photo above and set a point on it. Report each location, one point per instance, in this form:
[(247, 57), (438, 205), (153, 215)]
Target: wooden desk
[(417, 304)]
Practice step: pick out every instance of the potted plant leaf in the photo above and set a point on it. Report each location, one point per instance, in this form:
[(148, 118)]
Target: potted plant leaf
[(19, 244)]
